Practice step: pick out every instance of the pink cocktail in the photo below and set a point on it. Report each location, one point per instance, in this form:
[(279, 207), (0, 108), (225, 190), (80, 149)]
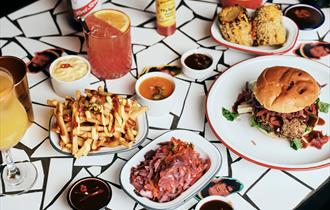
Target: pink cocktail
[(109, 43)]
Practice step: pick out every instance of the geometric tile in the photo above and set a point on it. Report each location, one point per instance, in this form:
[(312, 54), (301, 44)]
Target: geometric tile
[(240, 202), (285, 2), (96, 160), (231, 57), (123, 85), (17, 155), (112, 173), (40, 179), (208, 84), (8, 29), (139, 36), (61, 202), (143, 57), (120, 200), (209, 135), (164, 121), (34, 78), (224, 165), (193, 114), (187, 204), (203, 9), (183, 15), (71, 43), (313, 178), (20, 201), (247, 173), (197, 28), (137, 48), (61, 7), (13, 49), (279, 187), (133, 4), (46, 150), (180, 42), (44, 91), (32, 45), (2, 42), (64, 25), (38, 25), (57, 167), (42, 115), (95, 170), (128, 154), (154, 133), (208, 42), (34, 8), (33, 136), (180, 95), (137, 17)]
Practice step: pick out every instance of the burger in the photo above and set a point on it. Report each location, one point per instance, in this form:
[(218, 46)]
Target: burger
[(284, 102)]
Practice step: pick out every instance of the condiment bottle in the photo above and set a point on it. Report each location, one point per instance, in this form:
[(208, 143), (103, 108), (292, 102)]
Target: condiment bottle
[(166, 20)]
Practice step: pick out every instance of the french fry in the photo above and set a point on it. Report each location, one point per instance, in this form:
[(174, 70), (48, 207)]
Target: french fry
[(95, 120)]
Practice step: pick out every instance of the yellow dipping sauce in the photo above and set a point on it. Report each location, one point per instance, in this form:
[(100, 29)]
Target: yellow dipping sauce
[(70, 69)]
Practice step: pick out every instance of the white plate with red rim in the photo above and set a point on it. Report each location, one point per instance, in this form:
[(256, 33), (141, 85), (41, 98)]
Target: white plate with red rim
[(143, 129), (201, 145), (292, 32), (248, 142)]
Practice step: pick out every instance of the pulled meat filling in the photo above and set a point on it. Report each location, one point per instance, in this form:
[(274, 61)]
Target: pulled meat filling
[(288, 125), (168, 171)]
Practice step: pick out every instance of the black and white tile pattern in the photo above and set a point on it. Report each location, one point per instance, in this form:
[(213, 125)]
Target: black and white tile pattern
[(44, 24)]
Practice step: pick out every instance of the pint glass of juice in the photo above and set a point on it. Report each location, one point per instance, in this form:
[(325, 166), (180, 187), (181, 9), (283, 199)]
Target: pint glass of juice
[(109, 43)]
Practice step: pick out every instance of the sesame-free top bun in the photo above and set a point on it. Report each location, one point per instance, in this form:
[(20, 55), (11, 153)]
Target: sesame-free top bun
[(285, 89)]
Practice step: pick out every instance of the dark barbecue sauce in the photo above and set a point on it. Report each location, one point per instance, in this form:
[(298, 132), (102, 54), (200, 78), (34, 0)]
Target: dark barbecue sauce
[(305, 17), (198, 61), (216, 205), (90, 194), (320, 121)]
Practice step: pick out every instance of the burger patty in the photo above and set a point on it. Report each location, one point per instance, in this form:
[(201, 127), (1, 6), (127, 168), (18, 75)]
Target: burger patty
[(288, 125), (293, 129)]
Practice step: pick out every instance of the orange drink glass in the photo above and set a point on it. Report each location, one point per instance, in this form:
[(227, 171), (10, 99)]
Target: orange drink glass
[(109, 43)]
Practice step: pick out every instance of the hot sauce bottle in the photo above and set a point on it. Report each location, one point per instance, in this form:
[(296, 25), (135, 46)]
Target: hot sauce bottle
[(166, 20)]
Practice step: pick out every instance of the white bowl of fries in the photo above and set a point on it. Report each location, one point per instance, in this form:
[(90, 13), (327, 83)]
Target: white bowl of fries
[(97, 123)]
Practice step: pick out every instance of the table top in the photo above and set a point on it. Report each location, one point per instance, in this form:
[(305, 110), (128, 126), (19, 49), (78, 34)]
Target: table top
[(43, 25)]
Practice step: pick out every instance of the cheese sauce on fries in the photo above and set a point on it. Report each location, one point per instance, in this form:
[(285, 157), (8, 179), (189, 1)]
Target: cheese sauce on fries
[(95, 120)]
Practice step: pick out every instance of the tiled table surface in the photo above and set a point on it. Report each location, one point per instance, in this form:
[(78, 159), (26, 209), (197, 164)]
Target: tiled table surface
[(43, 25)]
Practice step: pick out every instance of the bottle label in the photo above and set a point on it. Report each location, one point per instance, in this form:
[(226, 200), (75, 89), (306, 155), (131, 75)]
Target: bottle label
[(165, 12), (83, 7)]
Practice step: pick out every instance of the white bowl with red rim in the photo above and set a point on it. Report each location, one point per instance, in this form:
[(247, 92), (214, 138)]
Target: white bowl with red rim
[(292, 33)]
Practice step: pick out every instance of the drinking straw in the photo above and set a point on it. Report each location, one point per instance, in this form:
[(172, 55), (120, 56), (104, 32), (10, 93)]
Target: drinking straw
[(83, 23)]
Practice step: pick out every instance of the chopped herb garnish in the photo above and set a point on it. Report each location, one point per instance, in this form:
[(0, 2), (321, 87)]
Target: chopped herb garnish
[(307, 129), (324, 107), (296, 144), (255, 123), (231, 116)]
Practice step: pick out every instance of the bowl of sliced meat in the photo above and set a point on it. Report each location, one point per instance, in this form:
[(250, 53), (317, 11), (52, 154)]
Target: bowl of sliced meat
[(170, 170)]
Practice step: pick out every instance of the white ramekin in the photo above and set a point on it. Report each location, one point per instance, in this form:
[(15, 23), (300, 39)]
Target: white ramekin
[(194, 73), (156, 107), (63, 88)]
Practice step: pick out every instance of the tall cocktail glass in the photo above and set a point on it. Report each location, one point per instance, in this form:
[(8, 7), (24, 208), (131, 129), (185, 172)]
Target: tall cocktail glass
[(109, 43), (17, 177)]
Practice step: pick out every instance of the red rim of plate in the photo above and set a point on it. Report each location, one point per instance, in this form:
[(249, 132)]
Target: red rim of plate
[(245, 157), (257, 52)]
